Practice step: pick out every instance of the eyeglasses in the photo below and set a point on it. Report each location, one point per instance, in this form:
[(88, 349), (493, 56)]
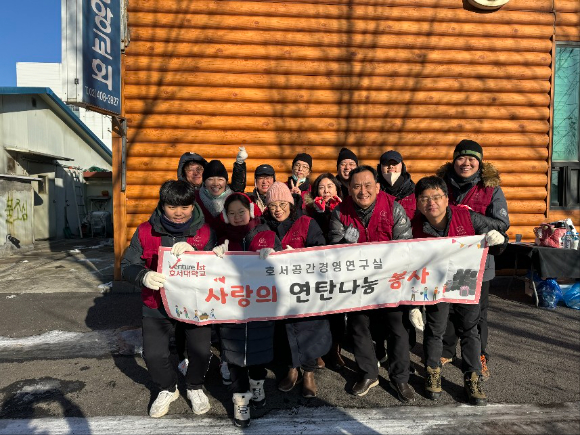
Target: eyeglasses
[(300, 167), (194, 170), (281, 205), (426, 199)]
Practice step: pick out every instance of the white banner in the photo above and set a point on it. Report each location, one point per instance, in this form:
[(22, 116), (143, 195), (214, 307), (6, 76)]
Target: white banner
[(202, 288)]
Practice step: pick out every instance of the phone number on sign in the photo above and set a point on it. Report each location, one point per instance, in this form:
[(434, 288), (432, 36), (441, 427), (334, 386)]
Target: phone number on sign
[(103, 96)]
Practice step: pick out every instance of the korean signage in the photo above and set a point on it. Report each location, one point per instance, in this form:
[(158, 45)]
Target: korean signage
[(92, 54), (202, 288)]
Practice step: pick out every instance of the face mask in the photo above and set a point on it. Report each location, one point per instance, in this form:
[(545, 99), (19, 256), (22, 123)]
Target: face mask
[(302, 180), (391, 177)]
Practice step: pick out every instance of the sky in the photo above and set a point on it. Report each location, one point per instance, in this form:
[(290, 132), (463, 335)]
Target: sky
[(29, 32)]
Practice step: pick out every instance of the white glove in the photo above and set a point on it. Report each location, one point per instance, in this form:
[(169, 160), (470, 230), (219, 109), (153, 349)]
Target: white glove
[(242, 155), (288, 248), (416, 318), (181, 247), (220, 250), (153, 280), (494, 238), (351, 234), (264, 252)]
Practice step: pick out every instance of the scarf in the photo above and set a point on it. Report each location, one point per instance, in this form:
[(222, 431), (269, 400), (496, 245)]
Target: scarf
[(237, 234), (214, 204), (173, 228)]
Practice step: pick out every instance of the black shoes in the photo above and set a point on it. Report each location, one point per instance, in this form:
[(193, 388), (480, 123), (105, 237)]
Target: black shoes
[(362, 387), (405, 392)]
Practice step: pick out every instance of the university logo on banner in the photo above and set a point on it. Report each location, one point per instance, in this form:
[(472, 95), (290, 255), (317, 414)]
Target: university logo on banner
[(203, 288)]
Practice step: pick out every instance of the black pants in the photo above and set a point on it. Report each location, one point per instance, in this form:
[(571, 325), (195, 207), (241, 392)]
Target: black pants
[(389, 320), (157, 332), (241, 376), (466, 319), (450, 337)]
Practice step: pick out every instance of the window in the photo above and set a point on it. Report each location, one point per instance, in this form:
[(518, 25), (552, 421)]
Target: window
[(565, 185)]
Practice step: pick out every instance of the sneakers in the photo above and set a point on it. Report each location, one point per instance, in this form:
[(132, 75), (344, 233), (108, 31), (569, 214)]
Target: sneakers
[(484, 369), (182, 366), (161, 404), (199, 401), (433, 383), (445, 360), (225, 372), (242, 409), (258, 399), (474, 389)]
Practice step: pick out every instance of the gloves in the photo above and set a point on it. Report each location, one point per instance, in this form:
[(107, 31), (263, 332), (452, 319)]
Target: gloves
[(333, 202), (288, 248), (351, 234), (220, 250), (494, 238), (242, 155), (319, 204), (416, 318), (153, 280), (264, 252), (181, 247)]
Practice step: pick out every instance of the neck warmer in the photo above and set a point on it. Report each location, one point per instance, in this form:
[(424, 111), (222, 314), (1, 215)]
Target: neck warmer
[(238, 233), (173, 228), (365, 214), (213, 204), (461, 182)]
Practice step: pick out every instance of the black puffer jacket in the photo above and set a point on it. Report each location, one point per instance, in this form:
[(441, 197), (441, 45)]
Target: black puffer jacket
[(251, 343)]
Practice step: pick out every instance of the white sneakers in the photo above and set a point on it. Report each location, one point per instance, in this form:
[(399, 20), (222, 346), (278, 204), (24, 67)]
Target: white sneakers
[(225, 372), (258, 394), (242, 409), (182, 366), (161, 404), (199, 401)]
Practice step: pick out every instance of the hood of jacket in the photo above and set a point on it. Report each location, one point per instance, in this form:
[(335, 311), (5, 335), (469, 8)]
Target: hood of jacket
[(186, 158), (406, 185), (488, 173)]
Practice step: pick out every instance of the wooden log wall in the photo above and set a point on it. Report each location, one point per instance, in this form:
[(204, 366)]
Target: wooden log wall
[(281, 78)]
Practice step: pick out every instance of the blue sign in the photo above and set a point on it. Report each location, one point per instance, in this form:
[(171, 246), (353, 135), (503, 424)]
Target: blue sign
[(102, 54)]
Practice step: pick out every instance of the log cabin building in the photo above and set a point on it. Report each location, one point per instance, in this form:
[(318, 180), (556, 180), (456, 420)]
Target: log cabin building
[(313, 76)]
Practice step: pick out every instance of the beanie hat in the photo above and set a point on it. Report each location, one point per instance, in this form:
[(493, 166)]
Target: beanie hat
[(253, 207), (391, 155), (215, 168), (265, 170), (344, 154), (468, 148), (279, 192), (303, 157)]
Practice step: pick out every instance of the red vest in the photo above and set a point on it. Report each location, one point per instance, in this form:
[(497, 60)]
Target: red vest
[(380, 227), (460, 224), (409, 204), (150, 242), (262, 239), (478, 198), (296, 235)]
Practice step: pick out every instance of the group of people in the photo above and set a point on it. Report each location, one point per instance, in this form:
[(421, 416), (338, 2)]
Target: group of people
[(200, 211)]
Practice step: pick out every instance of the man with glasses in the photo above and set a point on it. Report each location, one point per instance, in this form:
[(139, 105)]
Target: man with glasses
[(345, 163), (436, 218), (370, 215), (264, 177), (298, 182)]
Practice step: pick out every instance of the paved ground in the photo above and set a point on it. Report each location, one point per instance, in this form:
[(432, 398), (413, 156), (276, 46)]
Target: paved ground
[(71, 349)]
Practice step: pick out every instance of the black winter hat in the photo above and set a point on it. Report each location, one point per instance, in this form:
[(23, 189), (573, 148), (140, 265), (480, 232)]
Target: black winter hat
[(303, 157), (215, 168), (468, 148), (344, 154), (391, 155), (265, 170)]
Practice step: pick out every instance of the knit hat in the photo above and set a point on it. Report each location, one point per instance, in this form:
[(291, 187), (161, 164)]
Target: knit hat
[(391, 155), (468, 148), (279, 192), (303, 157), (344, 154), (253, 207), (215, 168), (265, 170)]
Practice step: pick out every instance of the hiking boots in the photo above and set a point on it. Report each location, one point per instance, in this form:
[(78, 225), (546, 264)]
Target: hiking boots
[(199, 401), (258, 399), (309, 389), (433, 383), (484, 368), (474, 388), (289, 381), (445, 360), (161, 404), (242, 409)]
